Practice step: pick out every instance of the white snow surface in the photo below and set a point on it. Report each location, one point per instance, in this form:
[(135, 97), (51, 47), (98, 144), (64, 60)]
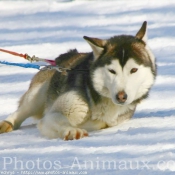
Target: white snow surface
[(145, 145)]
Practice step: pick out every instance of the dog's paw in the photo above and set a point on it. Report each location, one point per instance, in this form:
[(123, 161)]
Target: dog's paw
[(74, 134), (5, 127)]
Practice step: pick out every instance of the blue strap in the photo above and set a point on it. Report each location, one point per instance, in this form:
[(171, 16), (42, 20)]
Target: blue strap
[(27, 65)]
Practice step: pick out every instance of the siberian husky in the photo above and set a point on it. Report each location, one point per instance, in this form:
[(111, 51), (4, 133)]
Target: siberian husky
[(100, 89)]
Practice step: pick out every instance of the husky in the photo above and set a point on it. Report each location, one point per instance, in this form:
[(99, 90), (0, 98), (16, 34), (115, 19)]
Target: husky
[(96, 90)]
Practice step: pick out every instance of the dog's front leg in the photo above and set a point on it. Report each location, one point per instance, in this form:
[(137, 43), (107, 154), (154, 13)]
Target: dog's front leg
[(67, 113), (56, 125), (73, 106)]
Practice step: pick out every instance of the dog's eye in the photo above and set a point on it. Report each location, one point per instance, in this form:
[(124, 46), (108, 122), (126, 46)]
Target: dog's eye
[(112, 71), (133, 70)]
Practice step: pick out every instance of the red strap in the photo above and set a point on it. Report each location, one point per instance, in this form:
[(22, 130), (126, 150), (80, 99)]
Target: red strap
[(51, 62)]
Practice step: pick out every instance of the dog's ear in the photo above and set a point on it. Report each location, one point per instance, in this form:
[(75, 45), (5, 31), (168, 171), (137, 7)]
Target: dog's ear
[(97, 45), (142, 34)]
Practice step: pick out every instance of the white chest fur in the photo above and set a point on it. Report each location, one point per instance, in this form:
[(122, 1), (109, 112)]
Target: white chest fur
[(108, 112)]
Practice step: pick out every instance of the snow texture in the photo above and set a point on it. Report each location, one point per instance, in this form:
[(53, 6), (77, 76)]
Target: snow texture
[(145, 145)]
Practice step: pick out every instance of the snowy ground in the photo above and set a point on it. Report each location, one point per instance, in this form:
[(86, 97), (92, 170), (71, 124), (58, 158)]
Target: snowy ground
[(144, 145)]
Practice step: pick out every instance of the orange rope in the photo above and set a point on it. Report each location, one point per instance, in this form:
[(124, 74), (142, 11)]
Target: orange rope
[(27, 57), (14, 53)]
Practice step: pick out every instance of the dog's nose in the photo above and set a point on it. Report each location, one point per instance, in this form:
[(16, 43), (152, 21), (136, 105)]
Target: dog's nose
[(121, 97)]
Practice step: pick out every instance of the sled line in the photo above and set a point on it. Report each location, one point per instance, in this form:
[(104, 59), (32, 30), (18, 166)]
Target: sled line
[(52, 63), (35, 66), (29, 58), (27, 65)]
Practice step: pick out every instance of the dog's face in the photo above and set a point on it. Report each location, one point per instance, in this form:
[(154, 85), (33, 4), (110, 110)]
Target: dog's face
[(123, 85), (124, 67)]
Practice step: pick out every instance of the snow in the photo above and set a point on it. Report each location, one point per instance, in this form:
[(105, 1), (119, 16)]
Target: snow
[(145, 145)]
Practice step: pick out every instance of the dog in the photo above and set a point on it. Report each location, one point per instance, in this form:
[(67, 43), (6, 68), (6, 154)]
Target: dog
[(94, 91)]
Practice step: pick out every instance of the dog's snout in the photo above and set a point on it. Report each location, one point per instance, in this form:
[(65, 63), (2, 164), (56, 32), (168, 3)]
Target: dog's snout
[(121, 97)]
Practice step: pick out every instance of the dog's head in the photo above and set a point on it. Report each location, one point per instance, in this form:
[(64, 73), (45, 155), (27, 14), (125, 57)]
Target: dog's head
[(124, 67)]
